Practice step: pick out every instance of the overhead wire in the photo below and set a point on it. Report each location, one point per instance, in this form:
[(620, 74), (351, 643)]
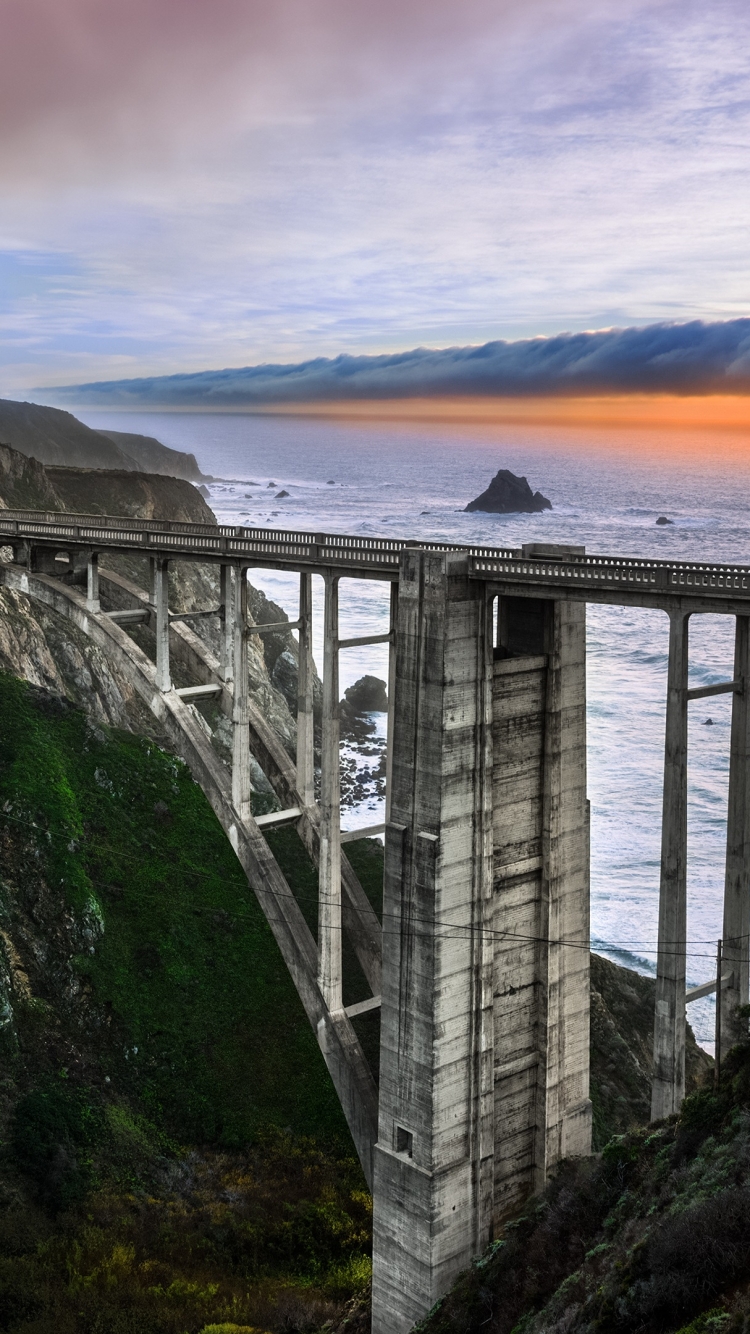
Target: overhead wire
[(427, 921)]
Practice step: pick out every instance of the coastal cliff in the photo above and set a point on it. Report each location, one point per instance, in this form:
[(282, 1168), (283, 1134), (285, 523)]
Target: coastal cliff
[(37, 644), (53, 436)]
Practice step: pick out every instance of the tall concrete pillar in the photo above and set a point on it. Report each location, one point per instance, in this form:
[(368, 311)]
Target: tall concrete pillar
[(92, 583), (393, 629), (227, 576), (564, 1000), (736, 929), (668, 1087), (160, 598), (329, 865), (541, 895), (433, 1160), (241, 787), (305, 677)]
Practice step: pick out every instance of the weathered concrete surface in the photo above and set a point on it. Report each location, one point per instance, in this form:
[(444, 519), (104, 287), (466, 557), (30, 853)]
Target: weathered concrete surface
[(433, 1159), (485, 1025), (736, 927), (668, 1088)]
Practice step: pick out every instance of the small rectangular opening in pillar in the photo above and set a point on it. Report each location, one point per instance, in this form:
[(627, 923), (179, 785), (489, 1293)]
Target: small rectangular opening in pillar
[(404, 1141), (522, 627)]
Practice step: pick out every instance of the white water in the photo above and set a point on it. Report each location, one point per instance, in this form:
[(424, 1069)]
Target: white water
[(607, 490)]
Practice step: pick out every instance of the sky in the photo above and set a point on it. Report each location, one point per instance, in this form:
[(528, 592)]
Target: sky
[(190, 185)]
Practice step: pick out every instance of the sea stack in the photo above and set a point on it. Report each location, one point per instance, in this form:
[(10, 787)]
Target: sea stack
[(508, 494)]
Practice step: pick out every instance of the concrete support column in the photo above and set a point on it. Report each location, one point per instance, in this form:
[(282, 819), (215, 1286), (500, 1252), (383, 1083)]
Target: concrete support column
[(329, 867), (160, 597), (305, 677), (226, 599), (668, 1088), (434, 1156), (392, 626), (563, 1103), (736, 929), (241, 787), (92, 583)]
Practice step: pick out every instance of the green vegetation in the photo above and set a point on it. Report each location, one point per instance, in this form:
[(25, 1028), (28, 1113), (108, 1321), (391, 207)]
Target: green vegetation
[(172, 1152)]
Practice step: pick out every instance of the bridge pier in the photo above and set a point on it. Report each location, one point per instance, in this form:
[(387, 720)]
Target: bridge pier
[(433, 1158), (160, 603), (668, 1087), (227, 580), (329, 868), (736, 928), (305, 678), (92, 583), (241, 786)]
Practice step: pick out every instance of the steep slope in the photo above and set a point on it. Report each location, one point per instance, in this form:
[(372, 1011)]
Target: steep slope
[(172, 1152), (152, 456), (651, 1238), (24, 483), (135, 494), (622, 1034), (57, 437)]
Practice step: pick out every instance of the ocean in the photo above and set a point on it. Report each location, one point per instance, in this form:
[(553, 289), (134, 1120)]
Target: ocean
[(607, 488)]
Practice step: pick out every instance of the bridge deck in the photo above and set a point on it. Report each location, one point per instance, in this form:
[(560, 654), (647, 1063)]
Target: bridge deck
[(590, 578)]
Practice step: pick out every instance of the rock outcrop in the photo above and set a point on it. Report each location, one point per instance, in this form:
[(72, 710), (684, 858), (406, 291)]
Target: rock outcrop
[(508, 494), (24, 483), (367, 695)]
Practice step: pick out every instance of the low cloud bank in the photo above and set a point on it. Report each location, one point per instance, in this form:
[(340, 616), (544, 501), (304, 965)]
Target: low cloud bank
[(693, 358)]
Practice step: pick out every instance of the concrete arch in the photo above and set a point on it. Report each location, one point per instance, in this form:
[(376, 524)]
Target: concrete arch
[(349, 1070)]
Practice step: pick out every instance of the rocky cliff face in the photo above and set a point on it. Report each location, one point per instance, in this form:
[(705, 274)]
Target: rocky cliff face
[(56, 437), (39, 646), (24, 483)]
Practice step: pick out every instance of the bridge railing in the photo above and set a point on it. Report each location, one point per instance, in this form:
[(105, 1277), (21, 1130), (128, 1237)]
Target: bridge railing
[(610, 572), (197, 539)]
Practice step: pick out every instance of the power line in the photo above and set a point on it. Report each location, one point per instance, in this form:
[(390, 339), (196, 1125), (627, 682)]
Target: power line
[(440, 923)]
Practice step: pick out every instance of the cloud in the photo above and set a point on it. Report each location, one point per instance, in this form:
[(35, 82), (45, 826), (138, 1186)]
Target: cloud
[(697, 357)]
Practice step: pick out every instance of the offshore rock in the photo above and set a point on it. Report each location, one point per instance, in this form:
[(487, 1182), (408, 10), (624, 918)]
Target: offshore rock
[(508, 494), (367, 695)]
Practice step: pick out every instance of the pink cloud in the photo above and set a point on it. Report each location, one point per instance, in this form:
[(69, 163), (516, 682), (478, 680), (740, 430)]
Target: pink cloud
[(81, 78)]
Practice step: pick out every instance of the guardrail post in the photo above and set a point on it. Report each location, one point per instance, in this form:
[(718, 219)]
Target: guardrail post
[(226, 598), (668, 1088), (160, 597), (305, 749), (736, 929), (329, 867), (241, 788), (92, 583)]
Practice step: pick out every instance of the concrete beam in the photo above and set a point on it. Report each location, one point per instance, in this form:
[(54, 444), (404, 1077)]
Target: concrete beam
[(725, 688)]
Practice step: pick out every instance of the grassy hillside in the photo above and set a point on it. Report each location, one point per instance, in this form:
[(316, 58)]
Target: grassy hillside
[(172, 1151)]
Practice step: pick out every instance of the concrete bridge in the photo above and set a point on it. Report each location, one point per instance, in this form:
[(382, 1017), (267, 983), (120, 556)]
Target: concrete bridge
[(480, 968)]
